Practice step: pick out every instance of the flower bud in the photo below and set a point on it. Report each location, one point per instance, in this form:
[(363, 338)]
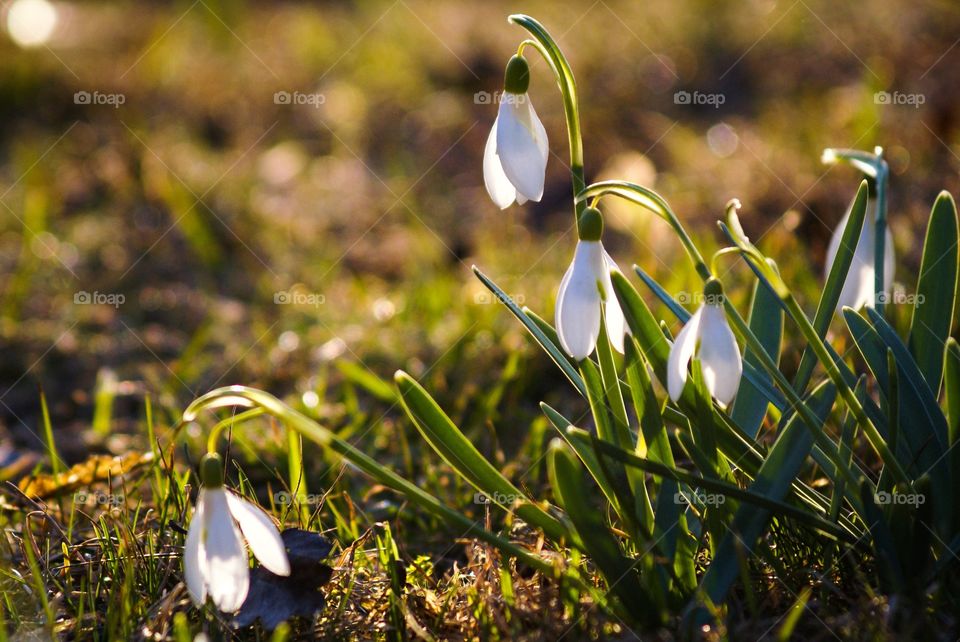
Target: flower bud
[(516, 79), (590, 224), (713, 292), (211, 470)]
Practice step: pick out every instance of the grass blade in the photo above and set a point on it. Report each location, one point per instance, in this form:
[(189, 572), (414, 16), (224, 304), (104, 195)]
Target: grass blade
[(766, 322), (834, 283), (936, 292), (451, 444), (566, 477), (779, 470), (549, 346)]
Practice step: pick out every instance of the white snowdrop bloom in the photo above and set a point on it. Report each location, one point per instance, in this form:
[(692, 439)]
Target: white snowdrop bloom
[(579, 298), (707, 336), (515, 156), (858, 290), (214, 557)]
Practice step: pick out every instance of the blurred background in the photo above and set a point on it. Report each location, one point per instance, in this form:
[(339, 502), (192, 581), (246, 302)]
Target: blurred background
[(290, 196)]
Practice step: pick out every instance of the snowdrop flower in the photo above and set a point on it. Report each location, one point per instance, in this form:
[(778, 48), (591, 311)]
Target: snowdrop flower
[(214, 558), (708, 336), (515, 158), (579, 299), (859, 288)]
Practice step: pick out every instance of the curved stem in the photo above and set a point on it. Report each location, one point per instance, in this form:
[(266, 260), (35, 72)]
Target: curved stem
[(875, 168), (721, 253), (228, 422), (544, 43), (653, 202), (263, 402), (880, 225)]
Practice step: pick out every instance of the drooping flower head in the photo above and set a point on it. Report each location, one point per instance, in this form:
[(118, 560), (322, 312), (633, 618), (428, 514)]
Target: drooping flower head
[(860, 287), (707, 336), (214, 557), (586, 287), (515, 157)]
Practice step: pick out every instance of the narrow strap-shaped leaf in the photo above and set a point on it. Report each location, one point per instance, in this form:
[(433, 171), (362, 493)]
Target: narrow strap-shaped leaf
[(712, 485), (566, 477), (757, 378), (917, 444), (834, 283), (587, 456), (778, 472), (887, 555), (242, 396), (598, 405), (653, 442), (912, 378), (550, 333), (612, 394), (766, 321), (451, 444), (936, 291), (951, 383), (549, 346), (678, 310)]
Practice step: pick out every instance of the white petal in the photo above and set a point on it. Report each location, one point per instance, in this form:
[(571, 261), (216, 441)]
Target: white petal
[(499, 187), (194, 557), (261, 535), (227, 572), (680, 354), (859, 288), (578, 302), (616, 323), (889, 261), (719, 355), (521, 141)]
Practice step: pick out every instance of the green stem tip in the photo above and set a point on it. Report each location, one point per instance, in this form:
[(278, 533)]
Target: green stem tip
[(590, 224), (211, 470), (516, 78)]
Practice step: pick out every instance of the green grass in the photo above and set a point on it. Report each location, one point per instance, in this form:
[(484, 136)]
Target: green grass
[(200, 199)]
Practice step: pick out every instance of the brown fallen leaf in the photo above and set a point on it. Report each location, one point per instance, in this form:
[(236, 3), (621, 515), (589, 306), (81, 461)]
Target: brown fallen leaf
[(98, 468)]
